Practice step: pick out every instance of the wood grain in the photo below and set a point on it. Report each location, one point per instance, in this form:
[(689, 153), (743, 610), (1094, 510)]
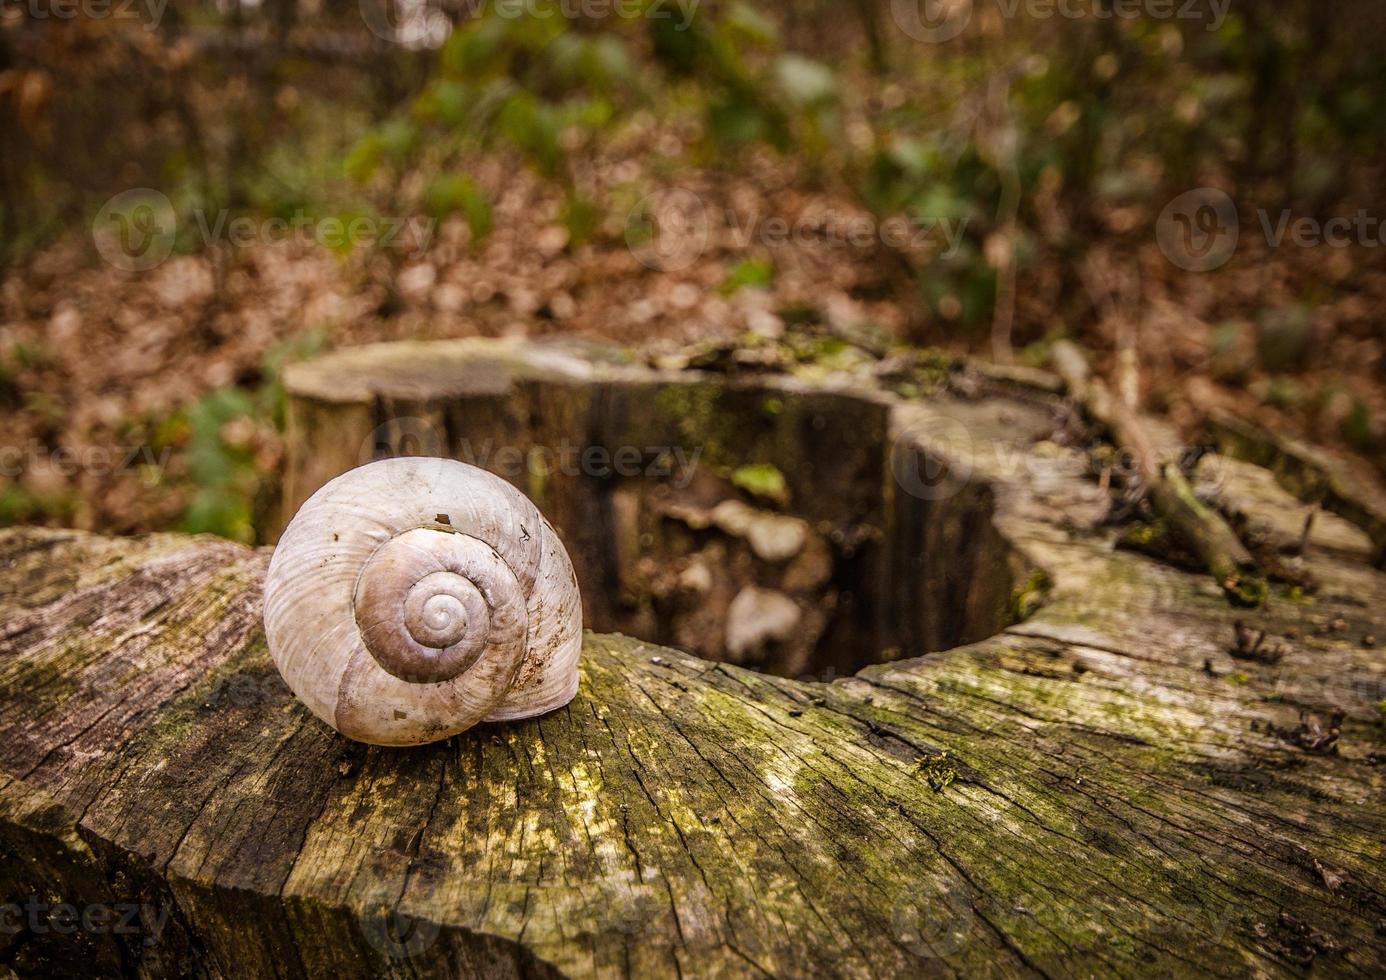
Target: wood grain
[(1101, 789)]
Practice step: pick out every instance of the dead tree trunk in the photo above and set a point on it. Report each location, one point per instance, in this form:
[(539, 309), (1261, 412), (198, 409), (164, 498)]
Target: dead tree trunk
[(1113, 785)]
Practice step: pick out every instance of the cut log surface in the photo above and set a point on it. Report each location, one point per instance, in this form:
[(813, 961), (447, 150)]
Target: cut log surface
[(1102, 789)]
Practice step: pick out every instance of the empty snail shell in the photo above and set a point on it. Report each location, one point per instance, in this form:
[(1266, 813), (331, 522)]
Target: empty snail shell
[(410, 599)]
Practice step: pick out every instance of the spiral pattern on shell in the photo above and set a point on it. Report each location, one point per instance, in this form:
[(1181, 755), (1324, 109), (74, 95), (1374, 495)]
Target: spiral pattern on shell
[(411, 598)]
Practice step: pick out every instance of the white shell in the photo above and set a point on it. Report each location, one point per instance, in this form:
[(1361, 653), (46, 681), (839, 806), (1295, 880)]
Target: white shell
[(410, 599)]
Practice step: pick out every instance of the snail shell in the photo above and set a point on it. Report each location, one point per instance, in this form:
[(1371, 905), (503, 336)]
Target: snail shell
[(410, 599)]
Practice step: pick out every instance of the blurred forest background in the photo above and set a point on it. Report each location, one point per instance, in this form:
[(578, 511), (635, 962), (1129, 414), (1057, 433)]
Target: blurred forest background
[(285, 176)]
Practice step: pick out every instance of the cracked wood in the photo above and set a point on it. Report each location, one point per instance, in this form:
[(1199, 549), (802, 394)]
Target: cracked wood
[(1101, 788)]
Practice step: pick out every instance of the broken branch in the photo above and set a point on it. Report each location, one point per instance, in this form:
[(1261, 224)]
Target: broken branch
[(1197, 526)]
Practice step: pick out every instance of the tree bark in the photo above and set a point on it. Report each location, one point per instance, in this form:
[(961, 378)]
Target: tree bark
[(1309, 473), (1099, 789)]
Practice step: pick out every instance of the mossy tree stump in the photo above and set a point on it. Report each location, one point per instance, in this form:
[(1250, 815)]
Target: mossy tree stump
[(1098, 788), (700, 506)]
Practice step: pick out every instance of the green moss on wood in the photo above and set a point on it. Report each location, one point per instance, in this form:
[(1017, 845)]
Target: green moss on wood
[(939, 771), (1029, 595), (764, 480)]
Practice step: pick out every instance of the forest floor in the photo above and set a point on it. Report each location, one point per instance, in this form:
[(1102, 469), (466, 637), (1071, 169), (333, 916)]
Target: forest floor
[(139, 401)]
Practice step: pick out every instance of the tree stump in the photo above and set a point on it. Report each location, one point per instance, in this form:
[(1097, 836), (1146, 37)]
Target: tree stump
[(804, 523), (1107, 778)]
